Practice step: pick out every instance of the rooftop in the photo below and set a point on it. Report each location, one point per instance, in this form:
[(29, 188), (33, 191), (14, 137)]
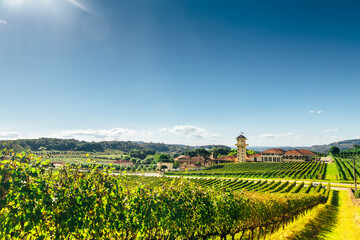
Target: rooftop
[(275, 150), (241, 136), (300, 152)]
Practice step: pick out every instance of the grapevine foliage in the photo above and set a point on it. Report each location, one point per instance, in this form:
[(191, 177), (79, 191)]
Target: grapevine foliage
[(42, 203)]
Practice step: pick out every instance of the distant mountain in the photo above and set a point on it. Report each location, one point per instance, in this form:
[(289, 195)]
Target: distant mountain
[(286, 148), (343, 145), (210, 146), (127, 146)]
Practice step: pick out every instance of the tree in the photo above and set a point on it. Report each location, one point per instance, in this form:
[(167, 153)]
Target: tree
[(249, 152), (163, 158), (233, 152), (137, 154), (176, 165), (190, 154), (201, 152), (334, 150), (148, 159), (220, 151)]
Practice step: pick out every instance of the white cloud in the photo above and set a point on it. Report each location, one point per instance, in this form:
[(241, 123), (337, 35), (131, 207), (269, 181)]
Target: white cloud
[(163, 129), (99, 135), (331, 130), (278, 139), (6, 135), (3, 21), (315, 111), (273, 135), (192, 132), (331, 139)]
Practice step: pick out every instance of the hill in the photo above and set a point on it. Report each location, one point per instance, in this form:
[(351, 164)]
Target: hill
[(126, 146), (343, 145), (76, 145)]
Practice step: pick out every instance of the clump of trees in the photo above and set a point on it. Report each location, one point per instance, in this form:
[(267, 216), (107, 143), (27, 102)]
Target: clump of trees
[(334, 151), (144, 149)]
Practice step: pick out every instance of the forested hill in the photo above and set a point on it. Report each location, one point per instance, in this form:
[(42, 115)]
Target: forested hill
[(343, 145), (76, 145)]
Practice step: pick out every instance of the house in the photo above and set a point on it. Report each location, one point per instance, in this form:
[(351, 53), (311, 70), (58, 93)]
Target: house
[(200, 162), (184, 160), (257, 157), (273, 155), (223, 159), (299, 155), (280, 155), (164, 166), (192, 167)]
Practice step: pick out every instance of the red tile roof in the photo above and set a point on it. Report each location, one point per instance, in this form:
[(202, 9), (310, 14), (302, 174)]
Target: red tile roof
[(185, 158), (300, 152), (274, 150), (226, 158), (255, 155), (191, 166)]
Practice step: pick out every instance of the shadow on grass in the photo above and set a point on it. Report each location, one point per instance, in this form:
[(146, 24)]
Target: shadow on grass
[(323, 223)]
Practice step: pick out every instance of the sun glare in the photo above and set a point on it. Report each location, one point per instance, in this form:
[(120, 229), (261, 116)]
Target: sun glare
[(43, 3), (14, 3), (20, 3)]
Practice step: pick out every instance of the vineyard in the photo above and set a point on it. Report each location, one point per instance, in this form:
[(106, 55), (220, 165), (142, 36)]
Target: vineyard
[(235, 185), (291, 170), (42, 203), (345, 168)]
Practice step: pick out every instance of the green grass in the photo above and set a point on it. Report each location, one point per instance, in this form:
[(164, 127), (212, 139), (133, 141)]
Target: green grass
[(311, 226), (336, 220), (331, 172), (347, 223)]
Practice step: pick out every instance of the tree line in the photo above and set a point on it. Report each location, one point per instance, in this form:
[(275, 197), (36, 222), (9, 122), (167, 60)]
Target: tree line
[(76, 145)]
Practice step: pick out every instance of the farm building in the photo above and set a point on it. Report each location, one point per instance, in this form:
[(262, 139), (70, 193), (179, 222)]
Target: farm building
[(271, 155), (200, 162), (280, 155), (299, 155), (257, 157)]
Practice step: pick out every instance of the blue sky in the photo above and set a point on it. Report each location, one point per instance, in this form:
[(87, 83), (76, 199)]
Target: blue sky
[(189, 72)]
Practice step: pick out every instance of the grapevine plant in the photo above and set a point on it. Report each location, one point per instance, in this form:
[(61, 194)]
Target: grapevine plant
[(38, 202)]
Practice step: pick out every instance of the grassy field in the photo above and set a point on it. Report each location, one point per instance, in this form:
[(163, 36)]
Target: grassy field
[(81, 157), (336, 220), (331, 172)]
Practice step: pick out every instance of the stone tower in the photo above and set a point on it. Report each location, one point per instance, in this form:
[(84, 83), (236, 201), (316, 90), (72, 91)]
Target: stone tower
[(241, 148)]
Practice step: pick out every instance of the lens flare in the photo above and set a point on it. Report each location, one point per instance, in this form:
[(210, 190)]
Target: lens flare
[(14, 3)]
